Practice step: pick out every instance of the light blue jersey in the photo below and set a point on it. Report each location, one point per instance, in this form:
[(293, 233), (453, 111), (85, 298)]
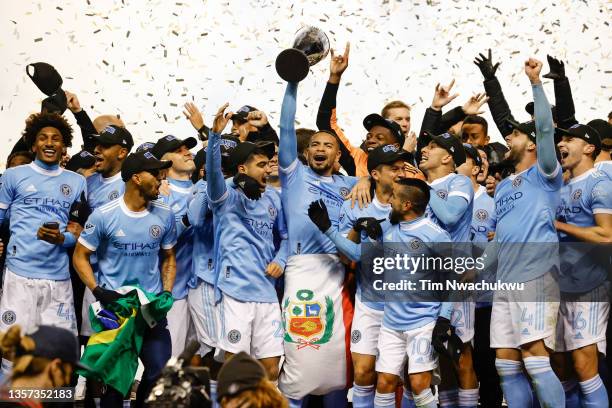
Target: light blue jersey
[(201, 219), (245, 244), (348, 217), (404, 316), (483, 216), (605, 167), (301, 186), (453, 185), (181, 193), (483, 222), (128, 243), (525, 205), (36, 193), (102, 190), (581, 198)]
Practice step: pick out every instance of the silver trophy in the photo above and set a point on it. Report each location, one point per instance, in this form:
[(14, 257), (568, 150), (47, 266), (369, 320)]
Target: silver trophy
[(310, 46)]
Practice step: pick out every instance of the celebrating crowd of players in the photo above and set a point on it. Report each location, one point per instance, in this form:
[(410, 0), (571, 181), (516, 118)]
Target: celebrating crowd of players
[(259, 238)]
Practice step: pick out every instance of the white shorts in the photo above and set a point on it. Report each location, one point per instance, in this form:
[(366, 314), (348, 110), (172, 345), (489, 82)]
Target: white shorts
[(462, 319), (205, 315), (515, 322), (252, 327), (32, 302), (365, 329), (180, 326), (395, 347), (88, 299), (583, 321)]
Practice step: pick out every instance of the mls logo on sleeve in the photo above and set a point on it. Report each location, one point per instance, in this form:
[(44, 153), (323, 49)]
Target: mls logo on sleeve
[(272, 211), (89, 228), (442, 194), (155, 231)]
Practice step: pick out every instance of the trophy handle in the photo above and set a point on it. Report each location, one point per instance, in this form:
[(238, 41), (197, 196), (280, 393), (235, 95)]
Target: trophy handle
[(292, 65)]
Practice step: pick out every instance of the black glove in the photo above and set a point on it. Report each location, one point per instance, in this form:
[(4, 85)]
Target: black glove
[(486, 66), (106, 296), (441, 333), (370, 225), (80, 211), (557, 68), (317, 211), (248, 185)]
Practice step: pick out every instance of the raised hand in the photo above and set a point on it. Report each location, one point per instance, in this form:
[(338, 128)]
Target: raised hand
[(257, 119), (442, 96), (485, 64), (72, 102), (338, 64), (192, 113), (533, 67), (473, 105), (557, 68), (221, 119)]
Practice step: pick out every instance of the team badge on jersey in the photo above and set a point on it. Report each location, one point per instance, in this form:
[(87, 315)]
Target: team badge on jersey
[(272, 211), (344, 191), (518, 180), (482, 214), (9, 317), (65, 189), (306, 321), (442, 194), (577, 194), (155, 231), (113, 195), (415, 244)]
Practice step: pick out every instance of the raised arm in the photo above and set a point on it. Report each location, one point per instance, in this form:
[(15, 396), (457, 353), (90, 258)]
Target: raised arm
[(214, 174), (448, 211), (545, 131), (563, 93), (287, 149)]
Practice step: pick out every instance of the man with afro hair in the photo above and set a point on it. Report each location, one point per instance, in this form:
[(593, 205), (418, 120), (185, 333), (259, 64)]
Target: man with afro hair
[(37, 199)]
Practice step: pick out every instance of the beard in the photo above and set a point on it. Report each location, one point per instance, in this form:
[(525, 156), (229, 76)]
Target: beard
[(394, 217)]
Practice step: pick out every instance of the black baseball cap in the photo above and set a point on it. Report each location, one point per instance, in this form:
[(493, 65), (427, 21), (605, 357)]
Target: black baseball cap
[(170, 143), (584, 132), (387, 154), (527, 128), (473, 153), (142, 161), (55, 342), (114, 135), (605, 132), (374, 119), (242, 113), (449, 143), (143, 147), (81, 160), (228, 143), (200, 160), (530, 109), (238, 374), (240, 154)]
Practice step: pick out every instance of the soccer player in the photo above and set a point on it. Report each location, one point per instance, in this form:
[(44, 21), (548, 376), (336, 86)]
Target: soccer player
[(112, 146), (247, 263), (523, 327), (180, 194), (381, 131), (128, 235), (586, 211), (38, 197), (407, 326), (483, 225), (386, 165), (451, 208), (313, 267), (603, 162)]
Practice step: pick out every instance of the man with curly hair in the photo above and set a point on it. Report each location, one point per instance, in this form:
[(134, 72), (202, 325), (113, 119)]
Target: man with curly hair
[(37, 198)]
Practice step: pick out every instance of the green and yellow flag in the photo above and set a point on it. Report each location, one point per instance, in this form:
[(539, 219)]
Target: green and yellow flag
[(112, 354)]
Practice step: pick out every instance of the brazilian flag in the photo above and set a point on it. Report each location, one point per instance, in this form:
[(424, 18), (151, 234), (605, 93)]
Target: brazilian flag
[(112, 351)]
